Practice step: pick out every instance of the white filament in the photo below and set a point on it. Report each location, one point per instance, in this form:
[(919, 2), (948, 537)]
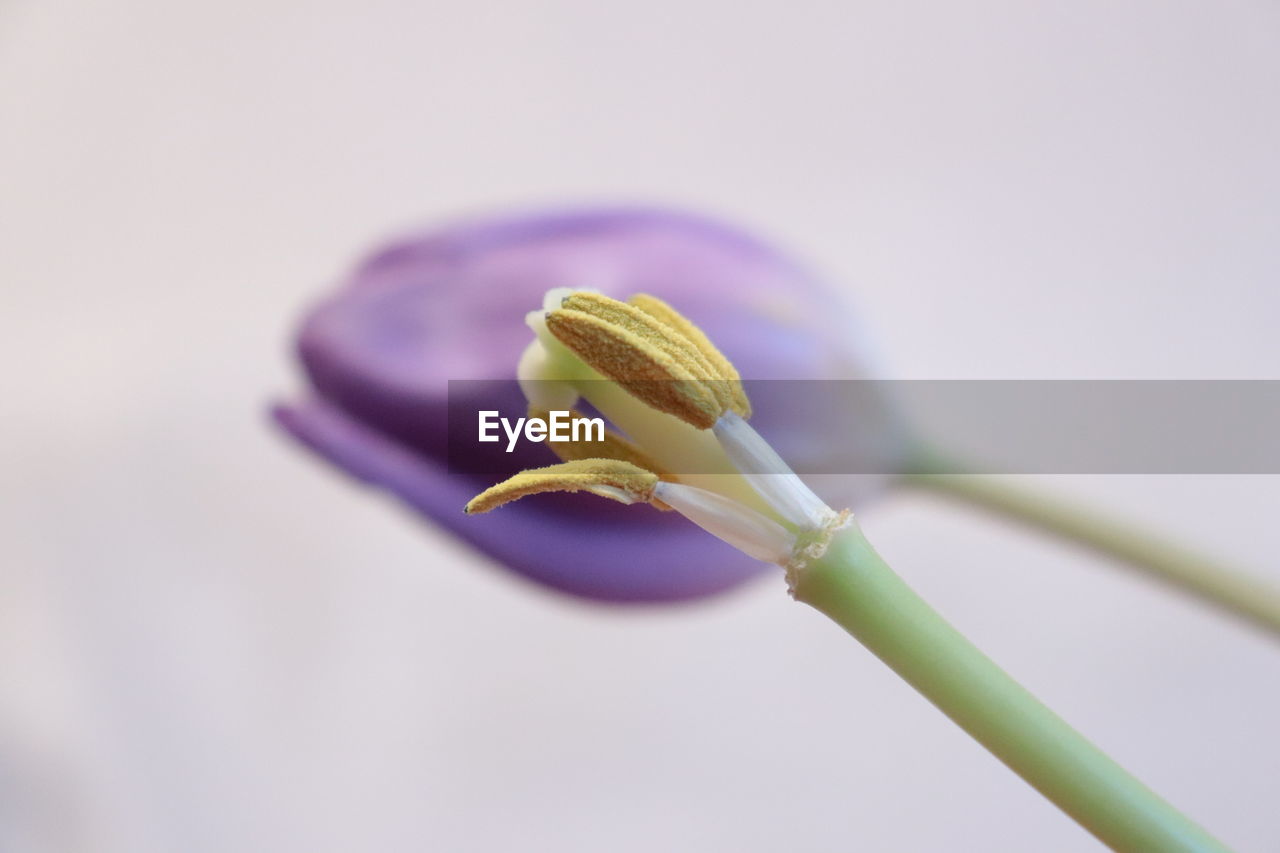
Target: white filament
[(745, 529), (762, 467), (604, 491)]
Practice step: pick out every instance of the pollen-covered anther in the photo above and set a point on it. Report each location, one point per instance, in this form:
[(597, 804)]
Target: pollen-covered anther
[(610, 446), (656, 362), (646, 372), (608, 478), (727, 374)]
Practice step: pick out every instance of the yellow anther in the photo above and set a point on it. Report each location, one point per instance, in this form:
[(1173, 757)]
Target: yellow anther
[(654, 352), (721, 366), (644, 370), (614, 446), (608, 478), (671, 334), (631, 318)]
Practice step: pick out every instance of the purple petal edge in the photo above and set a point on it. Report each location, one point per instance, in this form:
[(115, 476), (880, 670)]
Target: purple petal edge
[(660, 558)]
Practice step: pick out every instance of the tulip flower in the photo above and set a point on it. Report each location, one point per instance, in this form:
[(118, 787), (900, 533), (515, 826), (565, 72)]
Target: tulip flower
[(659, 378), (380, 353), (449, 304)]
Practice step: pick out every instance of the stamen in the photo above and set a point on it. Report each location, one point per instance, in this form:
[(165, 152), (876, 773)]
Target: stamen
[(608, 478), (762, 467), (646, 371), (661, 335), (660, 364), (614, 446), (745, 529), (721, 366)]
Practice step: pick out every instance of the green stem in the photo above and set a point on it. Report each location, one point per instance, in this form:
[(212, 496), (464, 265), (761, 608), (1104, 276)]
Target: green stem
[(853, 585), (1231, 590)]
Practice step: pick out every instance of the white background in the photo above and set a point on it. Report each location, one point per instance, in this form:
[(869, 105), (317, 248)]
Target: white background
[(208, 642)]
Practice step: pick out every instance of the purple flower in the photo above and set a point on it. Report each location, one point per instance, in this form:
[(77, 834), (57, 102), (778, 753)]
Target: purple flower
[(450, 304)]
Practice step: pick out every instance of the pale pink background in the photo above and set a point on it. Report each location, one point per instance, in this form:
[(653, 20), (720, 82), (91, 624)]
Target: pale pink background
[(208, 642)]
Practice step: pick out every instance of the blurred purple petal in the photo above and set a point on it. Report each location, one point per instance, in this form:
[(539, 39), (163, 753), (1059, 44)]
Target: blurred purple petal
[(451, 304), (616, 557)]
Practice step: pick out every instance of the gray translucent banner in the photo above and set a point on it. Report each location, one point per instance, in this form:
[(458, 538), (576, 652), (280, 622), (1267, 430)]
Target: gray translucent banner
[(988, 426)]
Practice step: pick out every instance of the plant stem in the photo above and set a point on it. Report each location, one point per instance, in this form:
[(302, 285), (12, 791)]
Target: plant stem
[(1231, 590), (854, 587)]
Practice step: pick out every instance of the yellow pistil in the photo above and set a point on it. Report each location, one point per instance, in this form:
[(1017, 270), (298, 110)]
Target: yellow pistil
[(608, 478), (656, 362)]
